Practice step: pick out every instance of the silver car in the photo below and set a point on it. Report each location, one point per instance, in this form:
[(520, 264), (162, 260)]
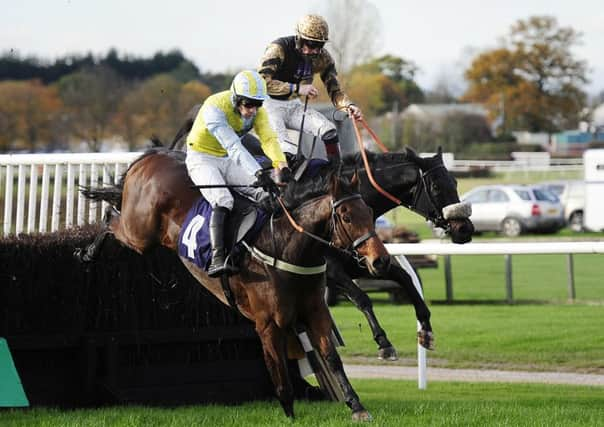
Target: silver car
[(513, 209), (572, 196)]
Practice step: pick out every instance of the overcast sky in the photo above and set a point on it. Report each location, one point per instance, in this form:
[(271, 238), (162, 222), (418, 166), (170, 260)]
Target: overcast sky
[(232, 34)]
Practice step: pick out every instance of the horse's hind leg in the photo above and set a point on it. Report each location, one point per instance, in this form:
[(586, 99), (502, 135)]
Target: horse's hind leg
[(275, 356), (346, 286), (91, 252), (422, 313), (319, 327)]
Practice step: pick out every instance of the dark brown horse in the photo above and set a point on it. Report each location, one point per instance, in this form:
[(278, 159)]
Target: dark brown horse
[(151, 202)]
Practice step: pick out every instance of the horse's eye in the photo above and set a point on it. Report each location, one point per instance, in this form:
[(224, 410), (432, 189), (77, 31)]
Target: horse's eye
[(346, 218)]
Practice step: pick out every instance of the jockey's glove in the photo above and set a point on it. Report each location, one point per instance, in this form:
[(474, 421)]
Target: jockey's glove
[(264, 180), (284, 176)]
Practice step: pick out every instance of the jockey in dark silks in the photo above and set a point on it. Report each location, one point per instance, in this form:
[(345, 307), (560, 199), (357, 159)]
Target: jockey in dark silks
[(288, 66)]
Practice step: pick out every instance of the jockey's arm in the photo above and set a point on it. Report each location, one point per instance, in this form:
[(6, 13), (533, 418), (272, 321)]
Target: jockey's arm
[(269, 140), (269, 64), (219, 127), (339, 99)]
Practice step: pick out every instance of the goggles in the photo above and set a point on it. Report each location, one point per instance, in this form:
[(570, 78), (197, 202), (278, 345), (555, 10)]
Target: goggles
[(312, 44), (251, 103)]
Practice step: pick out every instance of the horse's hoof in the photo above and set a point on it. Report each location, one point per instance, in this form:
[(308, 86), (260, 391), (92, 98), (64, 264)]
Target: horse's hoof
[(363, 416), (426, 339), (387, 353), (288, 408)]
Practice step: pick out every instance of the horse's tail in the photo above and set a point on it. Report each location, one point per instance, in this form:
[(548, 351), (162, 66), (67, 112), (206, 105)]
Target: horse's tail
[(111, 195)]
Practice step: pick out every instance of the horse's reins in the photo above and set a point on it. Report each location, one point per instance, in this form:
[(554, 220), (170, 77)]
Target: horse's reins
[(366, 162), (384, 149), (354, 244), (319, 269)]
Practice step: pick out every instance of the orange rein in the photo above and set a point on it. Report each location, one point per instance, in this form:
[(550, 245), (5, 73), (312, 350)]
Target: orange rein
[(289, 217), (366, 162)]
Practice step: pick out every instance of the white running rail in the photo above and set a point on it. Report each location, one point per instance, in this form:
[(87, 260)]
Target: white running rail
[(26, 181)]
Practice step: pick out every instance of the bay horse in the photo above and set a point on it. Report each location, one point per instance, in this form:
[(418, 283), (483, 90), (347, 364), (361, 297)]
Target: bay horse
[(150, 204), (423, 185)]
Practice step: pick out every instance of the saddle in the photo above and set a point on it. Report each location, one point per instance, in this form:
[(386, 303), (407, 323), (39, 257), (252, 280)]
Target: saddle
[(243, 224)]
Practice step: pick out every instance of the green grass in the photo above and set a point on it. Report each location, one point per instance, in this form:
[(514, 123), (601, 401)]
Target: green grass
[(391, 403), (534, 277), (526, 337)]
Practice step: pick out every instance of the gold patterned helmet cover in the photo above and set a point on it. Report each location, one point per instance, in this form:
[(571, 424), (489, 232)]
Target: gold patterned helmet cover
[(313, 27)]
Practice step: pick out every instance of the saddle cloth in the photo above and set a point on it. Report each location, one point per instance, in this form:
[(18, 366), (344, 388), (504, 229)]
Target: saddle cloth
[(243, 224)]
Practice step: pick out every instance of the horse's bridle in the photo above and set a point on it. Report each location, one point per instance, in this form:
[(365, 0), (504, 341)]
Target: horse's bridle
[(350, 250), (422, 187), (354, 244)]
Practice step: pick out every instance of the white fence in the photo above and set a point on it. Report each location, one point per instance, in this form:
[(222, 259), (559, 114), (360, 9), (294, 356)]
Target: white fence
[(505, 249), (28, 180)]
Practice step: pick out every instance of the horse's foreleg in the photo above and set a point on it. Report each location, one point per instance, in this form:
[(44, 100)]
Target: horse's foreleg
[(319, 329), (422, 313), (359, 298), (275, 356)]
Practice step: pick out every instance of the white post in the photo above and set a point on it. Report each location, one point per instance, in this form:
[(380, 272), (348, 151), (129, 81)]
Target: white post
[(8, 201), (20, 199), (422, 378), (56, 198), (33, 190), (94, 177), (69, 199), (81, 199), (44, 199)]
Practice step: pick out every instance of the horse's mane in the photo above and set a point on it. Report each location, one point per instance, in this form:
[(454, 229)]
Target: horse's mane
[(307, 188), (355, 161), (301, 191)]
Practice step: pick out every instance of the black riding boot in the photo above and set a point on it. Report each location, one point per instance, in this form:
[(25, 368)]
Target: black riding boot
[(218, 266), (332, 147)]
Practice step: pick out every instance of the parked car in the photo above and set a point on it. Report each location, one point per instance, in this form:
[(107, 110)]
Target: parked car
[(572, 196), (513, 209)]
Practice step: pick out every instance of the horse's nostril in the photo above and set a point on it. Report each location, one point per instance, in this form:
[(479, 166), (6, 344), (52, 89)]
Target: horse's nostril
[(381, 263)]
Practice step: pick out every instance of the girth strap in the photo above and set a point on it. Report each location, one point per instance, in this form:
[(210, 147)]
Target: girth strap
[(283, 265), (228, 292)]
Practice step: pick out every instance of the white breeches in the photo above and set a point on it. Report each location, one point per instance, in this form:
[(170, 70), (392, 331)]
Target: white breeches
[(206, 169), (288, 114)]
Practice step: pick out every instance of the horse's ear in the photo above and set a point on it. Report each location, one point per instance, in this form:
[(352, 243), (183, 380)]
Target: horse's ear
[(334, 184), (439, 151), (411, 154), (355, 182)]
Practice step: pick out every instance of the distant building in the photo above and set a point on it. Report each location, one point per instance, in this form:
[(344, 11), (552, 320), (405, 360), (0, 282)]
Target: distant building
[(440, 111)]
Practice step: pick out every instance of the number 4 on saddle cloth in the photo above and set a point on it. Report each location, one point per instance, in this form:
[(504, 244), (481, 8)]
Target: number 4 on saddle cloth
[(243, 224)]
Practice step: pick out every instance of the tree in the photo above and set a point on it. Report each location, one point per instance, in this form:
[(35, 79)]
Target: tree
[(90, 97), (533, 80), (354, 31), (390, 80), (28, 110), (152, 108)]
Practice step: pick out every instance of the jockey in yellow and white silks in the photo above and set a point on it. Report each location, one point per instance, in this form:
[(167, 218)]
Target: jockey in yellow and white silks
[(216, 156), (289, 65)]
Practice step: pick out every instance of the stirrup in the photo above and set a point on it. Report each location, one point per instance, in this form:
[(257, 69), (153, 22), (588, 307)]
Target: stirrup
[(220, 269)]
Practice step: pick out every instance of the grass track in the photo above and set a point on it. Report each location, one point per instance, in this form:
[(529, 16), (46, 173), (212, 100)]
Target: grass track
[(392, 403), (526, 337)]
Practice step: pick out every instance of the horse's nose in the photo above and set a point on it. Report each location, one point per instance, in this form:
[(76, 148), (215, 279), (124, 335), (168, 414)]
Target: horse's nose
[(380, 265), (463, 232)]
